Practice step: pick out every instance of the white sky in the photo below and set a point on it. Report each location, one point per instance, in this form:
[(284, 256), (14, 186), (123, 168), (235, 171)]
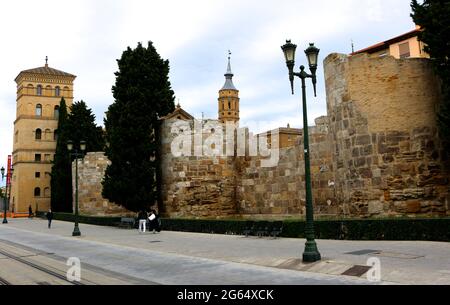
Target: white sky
[(86, 37)]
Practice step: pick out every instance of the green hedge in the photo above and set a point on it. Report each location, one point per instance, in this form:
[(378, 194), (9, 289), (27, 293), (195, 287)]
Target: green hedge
[(360, 229), (430, 229), (92, 220)]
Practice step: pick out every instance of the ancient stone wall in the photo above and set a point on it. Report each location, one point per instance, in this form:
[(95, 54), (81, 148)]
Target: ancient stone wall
[(376, 154), (387, 154), (90, 175), (280, 190)]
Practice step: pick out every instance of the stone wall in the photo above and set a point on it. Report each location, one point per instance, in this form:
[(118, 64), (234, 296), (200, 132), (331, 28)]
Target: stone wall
[(388, 157), (376, 154), (90, 175)]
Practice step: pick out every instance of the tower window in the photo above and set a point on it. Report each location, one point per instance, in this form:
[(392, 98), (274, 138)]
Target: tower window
[(56, 112), (229, 105), (39, 90), (37, 192), (37, 175), (57, 91), (47, 192), (55, 135), (37, 158), (38, 135), (39, 110)]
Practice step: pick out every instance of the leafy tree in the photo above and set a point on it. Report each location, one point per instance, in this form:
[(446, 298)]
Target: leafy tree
[(434, 17), (142, 94), (61, 176), (81, 127)]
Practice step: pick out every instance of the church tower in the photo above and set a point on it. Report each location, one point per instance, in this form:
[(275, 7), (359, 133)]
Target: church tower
[(229, 98), (39, 93)]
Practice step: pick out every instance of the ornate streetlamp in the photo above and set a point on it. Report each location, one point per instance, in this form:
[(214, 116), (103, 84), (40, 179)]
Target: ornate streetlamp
[(75, 153), (311, 253), (7, 195)]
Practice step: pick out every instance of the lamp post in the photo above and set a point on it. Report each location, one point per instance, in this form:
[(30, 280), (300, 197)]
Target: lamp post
[(7, 195), (75, 153), (311, 253)]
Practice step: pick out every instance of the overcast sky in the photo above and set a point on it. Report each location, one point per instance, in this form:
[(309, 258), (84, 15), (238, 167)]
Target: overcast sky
[(85, 38)]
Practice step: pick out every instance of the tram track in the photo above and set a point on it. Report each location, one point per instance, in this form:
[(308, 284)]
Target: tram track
[(35, 266)]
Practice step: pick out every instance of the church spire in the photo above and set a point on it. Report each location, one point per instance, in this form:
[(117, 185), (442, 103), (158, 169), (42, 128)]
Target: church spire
[(229, 76)]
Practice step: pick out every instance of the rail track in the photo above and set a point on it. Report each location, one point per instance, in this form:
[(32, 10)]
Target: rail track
[(34, 266)]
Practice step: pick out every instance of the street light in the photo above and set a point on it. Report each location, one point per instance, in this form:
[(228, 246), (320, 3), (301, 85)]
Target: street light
[(311, 253), (7, 196), (76, 154)]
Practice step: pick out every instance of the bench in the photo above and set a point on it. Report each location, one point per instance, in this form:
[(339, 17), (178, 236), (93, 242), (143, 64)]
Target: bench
[(263, 228), (276, 229), (128, 223)]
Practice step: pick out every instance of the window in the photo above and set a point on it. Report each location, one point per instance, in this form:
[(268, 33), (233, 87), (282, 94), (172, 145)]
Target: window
[(37, 158), (37, 175), (47, 157), (404, 50), (39, 90), (56, 112), (55, 135), (48, 135), (57, 91), (38, 135), (37, 192), (39, 110), (47, 192)]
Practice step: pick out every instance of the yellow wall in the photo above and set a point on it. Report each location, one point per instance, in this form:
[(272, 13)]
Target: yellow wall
[(26, 146)]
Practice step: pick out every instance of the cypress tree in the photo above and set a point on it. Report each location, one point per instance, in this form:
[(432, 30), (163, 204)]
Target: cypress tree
[(434, 17), (142, 94), (61, 176), (81, 127)]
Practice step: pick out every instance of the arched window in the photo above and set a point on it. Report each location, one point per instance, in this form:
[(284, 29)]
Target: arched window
[(39, 110), (57, 91), (37, 192), (47, 192), (48, 91), (56, 112), (38, 135), (39, 90), (55, 135)]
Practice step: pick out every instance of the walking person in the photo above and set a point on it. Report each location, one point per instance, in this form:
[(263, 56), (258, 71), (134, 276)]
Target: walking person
[(49, 218), (30, 212), (142, 221)]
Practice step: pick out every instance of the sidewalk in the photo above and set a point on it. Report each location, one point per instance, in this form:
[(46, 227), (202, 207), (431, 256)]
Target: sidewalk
[(401, 262)]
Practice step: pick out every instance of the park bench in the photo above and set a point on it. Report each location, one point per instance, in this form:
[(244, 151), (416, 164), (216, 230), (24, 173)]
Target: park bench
[(126, 222), (276, 229), (248, 228), (263, 228)]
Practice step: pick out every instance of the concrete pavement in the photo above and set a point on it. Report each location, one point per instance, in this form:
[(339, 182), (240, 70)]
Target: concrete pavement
[(188, 258)]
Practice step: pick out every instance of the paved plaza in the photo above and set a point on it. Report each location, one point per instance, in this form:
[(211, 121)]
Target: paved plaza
[(178, 258)]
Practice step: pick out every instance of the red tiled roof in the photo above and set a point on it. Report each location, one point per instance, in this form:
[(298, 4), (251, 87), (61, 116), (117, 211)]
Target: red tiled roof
[(47, 71), (385, 44)]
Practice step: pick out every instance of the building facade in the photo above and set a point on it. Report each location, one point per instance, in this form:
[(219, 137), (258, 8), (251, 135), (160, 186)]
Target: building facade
[(39, 93), (403, 46)]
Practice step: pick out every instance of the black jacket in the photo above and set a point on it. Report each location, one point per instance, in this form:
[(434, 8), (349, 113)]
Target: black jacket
[(142, 215), (49, 215)]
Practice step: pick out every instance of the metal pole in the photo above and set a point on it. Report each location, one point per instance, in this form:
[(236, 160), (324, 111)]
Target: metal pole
[(311, 253), (5, 200), (76, 230)]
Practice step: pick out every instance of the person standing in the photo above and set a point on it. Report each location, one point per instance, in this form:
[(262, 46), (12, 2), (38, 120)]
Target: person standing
[(30, 212), (154, 222), (49, 218), (142, 221)]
